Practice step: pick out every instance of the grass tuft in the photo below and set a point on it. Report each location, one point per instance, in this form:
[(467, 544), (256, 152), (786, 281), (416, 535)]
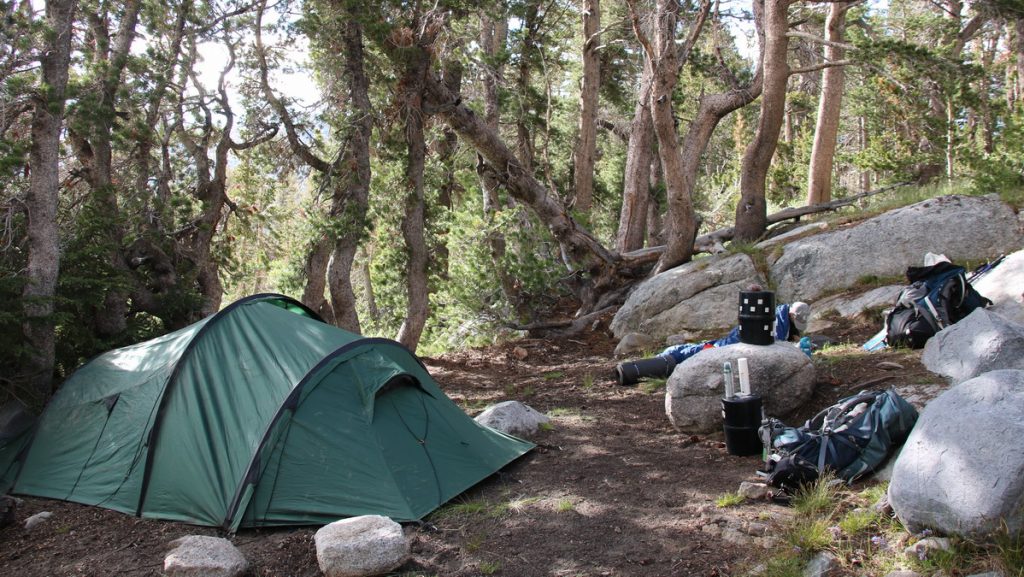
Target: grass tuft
[(651, 386), (817, 499), (808, 538), (489, 567), (565, 505), (729, 500)]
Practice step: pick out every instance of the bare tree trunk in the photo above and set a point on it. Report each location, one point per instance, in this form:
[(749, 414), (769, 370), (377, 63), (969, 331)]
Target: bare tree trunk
[(212, 177), (348, 177), (42, 199), (524, 136), (826, 132), (315, 272), (655, 204), (413, 225), (352, 194), (367, 284), (93, 147), (751, 211), (636, 191), (865, 141), (950, 138), (666, 60), (586, 145)]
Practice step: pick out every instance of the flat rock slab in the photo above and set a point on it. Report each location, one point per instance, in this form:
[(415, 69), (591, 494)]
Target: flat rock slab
[(961, 227)]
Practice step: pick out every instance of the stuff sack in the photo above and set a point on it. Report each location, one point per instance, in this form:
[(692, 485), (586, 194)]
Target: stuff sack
[(851, 438), (937, 296)]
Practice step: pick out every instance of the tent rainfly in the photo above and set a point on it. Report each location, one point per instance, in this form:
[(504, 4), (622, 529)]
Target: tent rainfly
[(259, 415)]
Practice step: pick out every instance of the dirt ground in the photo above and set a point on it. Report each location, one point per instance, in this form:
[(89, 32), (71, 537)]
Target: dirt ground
[(611, 489)]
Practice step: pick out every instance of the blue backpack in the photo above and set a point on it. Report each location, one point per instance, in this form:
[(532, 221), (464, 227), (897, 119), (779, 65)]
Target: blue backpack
[(937, 296), (851, 438)]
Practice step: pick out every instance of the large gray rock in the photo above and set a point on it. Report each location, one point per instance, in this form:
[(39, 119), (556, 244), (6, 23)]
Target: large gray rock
[(204, 556), (361, 546), (1004, 286), (961, 227), (698, 295), (814, 227), (850, 307), (512, 418), (962, 468), (780, 373), (982, 342)]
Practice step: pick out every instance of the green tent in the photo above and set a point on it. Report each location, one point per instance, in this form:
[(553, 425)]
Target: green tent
[(259, 415)]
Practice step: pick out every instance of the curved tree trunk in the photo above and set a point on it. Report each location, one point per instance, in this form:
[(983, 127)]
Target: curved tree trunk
[(349, 177), (413, 225), (578, 245), (826, 131), (586, 145), (751, 211), (636, 192), (351, 200), (314, 269), (666, 60), (42, 198)]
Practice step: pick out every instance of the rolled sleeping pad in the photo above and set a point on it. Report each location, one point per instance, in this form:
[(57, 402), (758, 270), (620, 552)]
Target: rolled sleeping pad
[(630, 373)]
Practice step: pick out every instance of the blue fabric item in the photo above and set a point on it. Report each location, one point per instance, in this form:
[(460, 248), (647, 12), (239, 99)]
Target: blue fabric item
[(686, 350)]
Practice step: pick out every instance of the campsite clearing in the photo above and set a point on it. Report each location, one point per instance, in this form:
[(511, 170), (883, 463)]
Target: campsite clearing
[(611, 489)]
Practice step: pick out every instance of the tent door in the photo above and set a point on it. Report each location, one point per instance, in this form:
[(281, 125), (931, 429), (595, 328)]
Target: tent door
[(402, 423)]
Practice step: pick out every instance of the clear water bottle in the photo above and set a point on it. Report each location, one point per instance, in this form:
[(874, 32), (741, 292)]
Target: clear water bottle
[(805, 346)]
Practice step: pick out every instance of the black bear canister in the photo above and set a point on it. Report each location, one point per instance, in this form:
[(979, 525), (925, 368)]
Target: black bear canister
[(741, 412), (757, 314)]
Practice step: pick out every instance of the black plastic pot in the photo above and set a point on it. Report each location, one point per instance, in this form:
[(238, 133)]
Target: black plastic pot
[(741, 418), (757, 314)]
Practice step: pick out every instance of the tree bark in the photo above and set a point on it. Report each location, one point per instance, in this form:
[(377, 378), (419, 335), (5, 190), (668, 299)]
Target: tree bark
[(579, 247), (414, 223), (524, 134), (751, 211), (865, 141), (314, 293), (826, 131), (347, 177), (212, 178), (636, 191), (351, 199), (586, 144), (41, 201), (95, 153), (666, 59)]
